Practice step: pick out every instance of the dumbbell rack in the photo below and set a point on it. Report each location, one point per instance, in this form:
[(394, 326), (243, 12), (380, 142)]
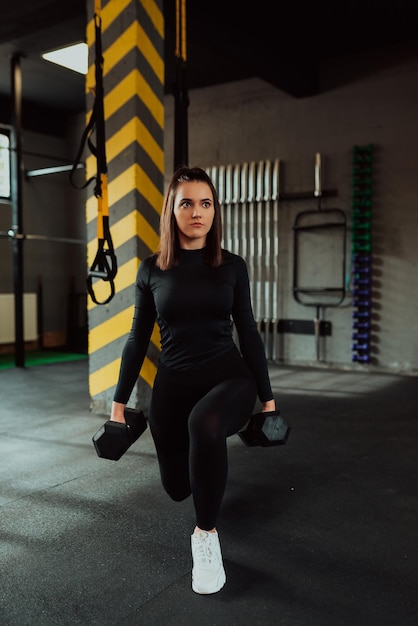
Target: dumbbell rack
[(361, 248)]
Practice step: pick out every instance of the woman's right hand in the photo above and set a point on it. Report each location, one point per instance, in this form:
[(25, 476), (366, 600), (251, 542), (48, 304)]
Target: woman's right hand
[(268, 406), (117, 412)]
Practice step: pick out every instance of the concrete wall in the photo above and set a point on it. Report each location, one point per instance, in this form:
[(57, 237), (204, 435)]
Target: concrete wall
[(53, 208), (370, 100)]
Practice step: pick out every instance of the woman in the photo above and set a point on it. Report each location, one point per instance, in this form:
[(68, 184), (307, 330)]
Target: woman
[(205, 388)]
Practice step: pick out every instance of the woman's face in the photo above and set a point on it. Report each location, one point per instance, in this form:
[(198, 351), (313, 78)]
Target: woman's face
[(194, 212)]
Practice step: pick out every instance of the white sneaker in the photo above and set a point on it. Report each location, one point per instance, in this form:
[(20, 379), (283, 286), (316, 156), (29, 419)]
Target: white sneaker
[(208, 574)]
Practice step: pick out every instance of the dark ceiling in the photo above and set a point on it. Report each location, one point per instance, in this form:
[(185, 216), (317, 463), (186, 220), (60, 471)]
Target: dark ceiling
[(282, 43)]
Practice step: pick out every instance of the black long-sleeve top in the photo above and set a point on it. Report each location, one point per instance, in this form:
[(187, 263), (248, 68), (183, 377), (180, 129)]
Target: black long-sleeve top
[(195, 306)]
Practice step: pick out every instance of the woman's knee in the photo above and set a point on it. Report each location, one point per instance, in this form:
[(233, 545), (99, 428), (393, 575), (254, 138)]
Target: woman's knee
[(176, 490), (174, 472), (223, 410)]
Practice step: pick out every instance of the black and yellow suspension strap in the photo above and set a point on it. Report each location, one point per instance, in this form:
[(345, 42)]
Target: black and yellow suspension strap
[(181, 96), (104, 266)]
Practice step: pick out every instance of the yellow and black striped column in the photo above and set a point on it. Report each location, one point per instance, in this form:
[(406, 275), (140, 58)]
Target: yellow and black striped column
[(133, 70)]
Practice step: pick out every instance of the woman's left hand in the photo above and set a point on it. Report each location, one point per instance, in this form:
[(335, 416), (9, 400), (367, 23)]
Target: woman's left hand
[(270, 405)]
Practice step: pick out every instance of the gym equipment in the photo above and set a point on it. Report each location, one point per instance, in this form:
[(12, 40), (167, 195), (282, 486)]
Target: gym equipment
[(265, 430), (113, 439), (250, 194), (325, 230), (361, 248), (105, 264)]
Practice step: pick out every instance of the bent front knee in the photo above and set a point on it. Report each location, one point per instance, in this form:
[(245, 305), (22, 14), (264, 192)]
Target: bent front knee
[(177, 492), (177, 495)]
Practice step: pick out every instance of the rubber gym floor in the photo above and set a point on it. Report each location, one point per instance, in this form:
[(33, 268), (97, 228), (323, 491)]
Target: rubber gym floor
[(320, 532)]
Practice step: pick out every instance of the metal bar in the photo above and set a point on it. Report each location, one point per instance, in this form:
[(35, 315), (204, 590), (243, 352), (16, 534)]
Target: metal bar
[(53, 239), (181, 94), (45, 171), (244, 208), (308, 195), (249, 194), (259, 253), (17, 209), (251, 232), (275, 195), (228, 214), (267, 258), (221, 182), (235, 208), (317, 326), (213, 175), (13, 235), (318, 176)]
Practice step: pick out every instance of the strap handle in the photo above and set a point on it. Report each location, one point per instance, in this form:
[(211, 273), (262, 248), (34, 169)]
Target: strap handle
[(104, 266)]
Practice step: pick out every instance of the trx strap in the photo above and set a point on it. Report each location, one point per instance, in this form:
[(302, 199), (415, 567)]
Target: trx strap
[(181, 96), (104, 266)]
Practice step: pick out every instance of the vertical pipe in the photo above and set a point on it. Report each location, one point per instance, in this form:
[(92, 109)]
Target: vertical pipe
[(228, 201), (267, 258), (181, 95), (259, 256), (318, 193), (243, 202), (214, 176), (235, 203), (218, 178), (275, 253), (40, 313), (317, 328), (251, 233), (17, 212), (318, 179)]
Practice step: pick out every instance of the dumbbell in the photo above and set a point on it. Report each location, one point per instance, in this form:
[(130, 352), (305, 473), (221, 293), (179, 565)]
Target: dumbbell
[(113, 439), (265, 429)]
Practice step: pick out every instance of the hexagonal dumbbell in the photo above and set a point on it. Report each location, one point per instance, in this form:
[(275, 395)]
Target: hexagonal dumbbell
[(265, 429), (113, 439)]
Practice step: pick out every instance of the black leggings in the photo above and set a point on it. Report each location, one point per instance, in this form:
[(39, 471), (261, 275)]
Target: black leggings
[(192, 413)]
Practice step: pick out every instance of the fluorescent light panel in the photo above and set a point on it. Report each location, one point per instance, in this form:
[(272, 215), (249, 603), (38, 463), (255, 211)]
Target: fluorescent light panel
[(73, 57)]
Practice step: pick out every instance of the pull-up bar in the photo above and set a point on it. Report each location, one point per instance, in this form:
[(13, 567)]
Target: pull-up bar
[(45, 171)]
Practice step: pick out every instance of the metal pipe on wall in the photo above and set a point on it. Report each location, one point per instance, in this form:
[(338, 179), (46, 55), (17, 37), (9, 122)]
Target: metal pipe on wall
[(17, 208), (259, 254), (243, 203), (249, 196), (228, 208), (275, 191), (235, 208), (251, 229)]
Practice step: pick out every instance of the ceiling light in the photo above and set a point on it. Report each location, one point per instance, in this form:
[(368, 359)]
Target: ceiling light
[(73, 57)]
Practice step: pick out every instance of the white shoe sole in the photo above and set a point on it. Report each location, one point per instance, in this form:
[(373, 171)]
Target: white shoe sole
[(220, 583)]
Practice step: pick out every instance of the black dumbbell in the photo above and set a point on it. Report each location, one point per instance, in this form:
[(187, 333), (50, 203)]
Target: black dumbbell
[(113, 439), (265, 429)]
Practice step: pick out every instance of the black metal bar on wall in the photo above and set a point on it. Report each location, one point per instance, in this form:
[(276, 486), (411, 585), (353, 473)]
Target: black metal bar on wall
[(181, 95), (17, 212)]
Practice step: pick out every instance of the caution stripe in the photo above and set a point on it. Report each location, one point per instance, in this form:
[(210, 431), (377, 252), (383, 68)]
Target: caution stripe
[(134, 130), (114, 328), (112, 10), (133, 178), (107, 376), (134, 37), (124, 230), (133, 68), (132, 85)]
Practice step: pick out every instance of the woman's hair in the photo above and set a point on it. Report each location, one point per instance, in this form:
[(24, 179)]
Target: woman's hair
[(169, 247)]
